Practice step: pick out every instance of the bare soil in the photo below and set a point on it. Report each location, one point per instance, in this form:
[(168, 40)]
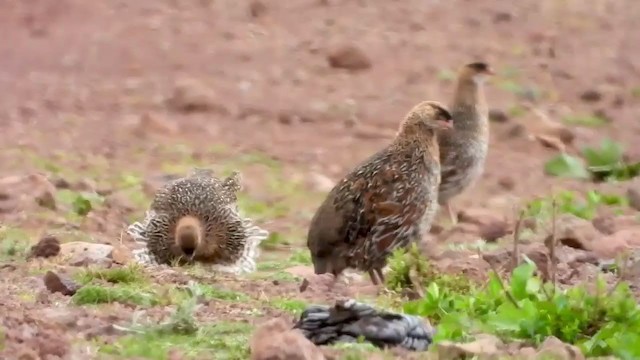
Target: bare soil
[(85, 85)]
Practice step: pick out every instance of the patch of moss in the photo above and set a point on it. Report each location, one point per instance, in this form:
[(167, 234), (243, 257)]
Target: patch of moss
[(14, 243), (293, 306), (221, 341), (404, 262), (126, 294), (122, 275)]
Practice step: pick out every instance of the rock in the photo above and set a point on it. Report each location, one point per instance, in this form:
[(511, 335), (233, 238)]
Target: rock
[(484, 346), (612, 245), (633, 194), (498, 116), (502, 16), (190, 95), (591, 96), (516, 131), (507, 182), (121, 255), (575, 232), (20, 192), (551, 142), (553, 348), (62, 284), (349, 57), (257, 8), (62, 316), (609, 224), (490, 225), (48, 246), (276, 340), (321, 183), (80, 253), (302, 271), (150, 123)]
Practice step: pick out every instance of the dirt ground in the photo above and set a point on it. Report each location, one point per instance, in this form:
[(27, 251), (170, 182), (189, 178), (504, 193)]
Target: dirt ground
[(84, 99)]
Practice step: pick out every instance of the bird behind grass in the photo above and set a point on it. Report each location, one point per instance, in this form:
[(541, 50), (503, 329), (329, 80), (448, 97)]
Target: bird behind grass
[(463, 151), (385, 203), (196, 219)]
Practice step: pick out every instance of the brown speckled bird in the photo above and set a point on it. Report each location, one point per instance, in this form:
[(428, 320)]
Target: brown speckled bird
[(464, 150), (383, 204)]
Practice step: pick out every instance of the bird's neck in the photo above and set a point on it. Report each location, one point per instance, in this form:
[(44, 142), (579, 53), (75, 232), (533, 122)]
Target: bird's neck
[(470, 103)]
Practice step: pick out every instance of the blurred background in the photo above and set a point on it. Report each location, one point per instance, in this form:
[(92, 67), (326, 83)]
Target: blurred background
[(110, 96)]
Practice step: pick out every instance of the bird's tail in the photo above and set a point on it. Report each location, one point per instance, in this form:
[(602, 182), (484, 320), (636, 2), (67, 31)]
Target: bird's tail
[(188, 233)]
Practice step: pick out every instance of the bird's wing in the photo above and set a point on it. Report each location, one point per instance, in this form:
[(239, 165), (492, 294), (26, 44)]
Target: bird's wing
[(387, 205)]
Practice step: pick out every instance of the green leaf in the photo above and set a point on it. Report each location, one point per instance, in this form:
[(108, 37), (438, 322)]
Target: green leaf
[(519, 279), (567, 166), (607, 155)]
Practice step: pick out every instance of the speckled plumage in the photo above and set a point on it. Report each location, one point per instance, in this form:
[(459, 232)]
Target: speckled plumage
[(385, 203), (348, 321), (463, 151), (229, 242)]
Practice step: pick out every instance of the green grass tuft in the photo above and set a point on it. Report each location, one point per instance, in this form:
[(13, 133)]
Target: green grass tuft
[(123, 275), (220, 341), (126, 294)]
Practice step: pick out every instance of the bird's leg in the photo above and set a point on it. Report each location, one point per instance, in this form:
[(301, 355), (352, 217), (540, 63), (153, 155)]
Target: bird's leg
[(380, 275), (374, 277), (452, 215)]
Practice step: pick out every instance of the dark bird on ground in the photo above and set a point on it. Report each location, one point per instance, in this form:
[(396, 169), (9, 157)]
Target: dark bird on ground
[(349, 321), (464, 150), (196, 219), (385, 203)]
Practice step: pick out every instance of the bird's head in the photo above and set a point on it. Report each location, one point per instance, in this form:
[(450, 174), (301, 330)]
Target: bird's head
[(478, 72), (432, 114)]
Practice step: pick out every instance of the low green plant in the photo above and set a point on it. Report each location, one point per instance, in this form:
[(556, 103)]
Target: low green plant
[(585, 120), (602, 163), (80, 203), (126, 294), (293, 306), (601, 323), (121, 275), (569, 202), (406, 266), (14, 242)]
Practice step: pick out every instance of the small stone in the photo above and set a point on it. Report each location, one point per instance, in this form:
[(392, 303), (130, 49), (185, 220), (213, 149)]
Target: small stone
[(633, 194), (320, 182), (491, 226), (506, 183), (575, 232), (516, 131), (484, 346), (498, 116), (553, 348), (609, 224), (48, 246), (150, 123), (551, 142), (79, 253), (257, 8), (57, 283), (190, 95), (276, 340), (502, 16), (46, 199), (349, 57), (591, 96)]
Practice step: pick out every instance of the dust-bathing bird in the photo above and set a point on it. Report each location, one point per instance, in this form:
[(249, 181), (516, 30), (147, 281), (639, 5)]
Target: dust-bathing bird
[(196, 219)]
